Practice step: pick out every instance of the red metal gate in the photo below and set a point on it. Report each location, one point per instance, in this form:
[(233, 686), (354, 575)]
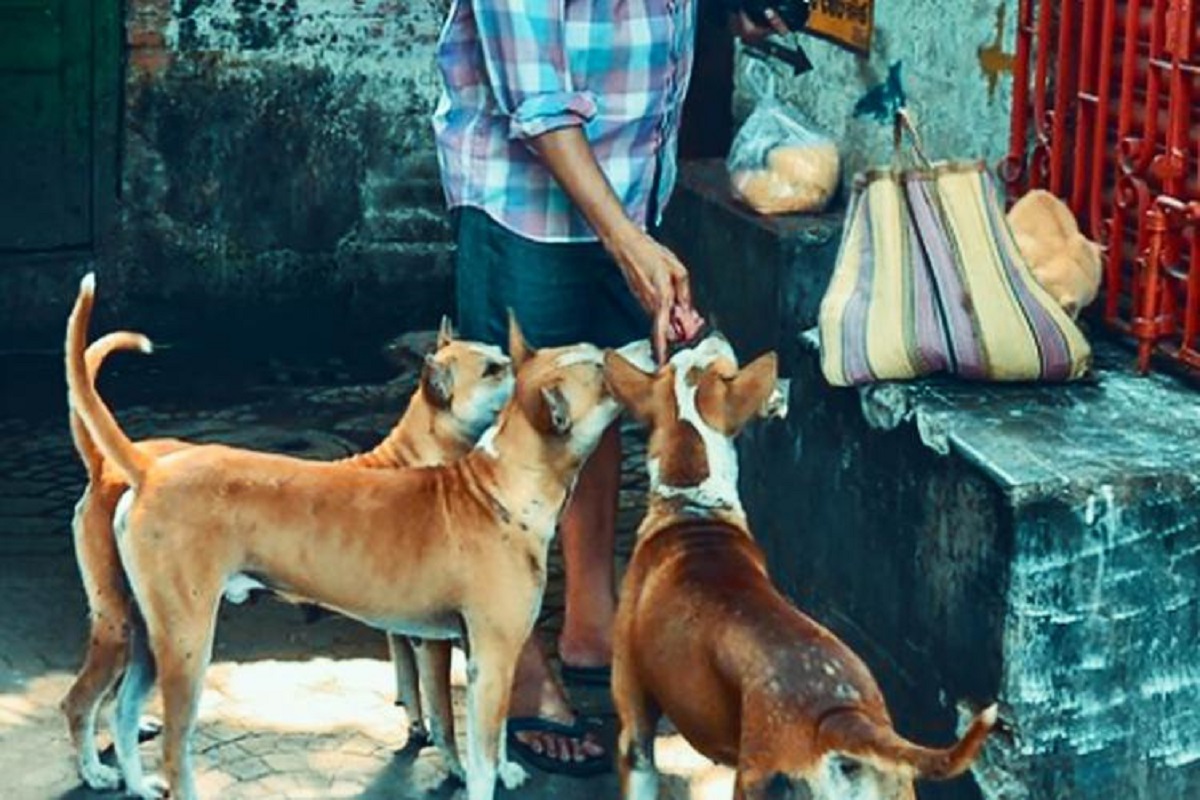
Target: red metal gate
[(1106, 115)]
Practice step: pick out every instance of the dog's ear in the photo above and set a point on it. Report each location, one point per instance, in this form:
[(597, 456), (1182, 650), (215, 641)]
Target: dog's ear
[(518, 350), (750, 390), (445, 332), (557, 416), (437, 382), (632, 387)]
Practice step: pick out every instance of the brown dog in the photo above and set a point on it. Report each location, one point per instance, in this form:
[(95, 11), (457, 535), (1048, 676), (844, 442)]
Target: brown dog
[(438, 552), (462, 389), (703, 636)]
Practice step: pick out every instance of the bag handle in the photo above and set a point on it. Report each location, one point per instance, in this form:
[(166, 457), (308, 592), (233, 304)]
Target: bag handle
[(902, 124)]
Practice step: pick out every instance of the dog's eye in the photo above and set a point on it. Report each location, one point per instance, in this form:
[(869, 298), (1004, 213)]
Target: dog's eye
[(493, 369), (849, 768)]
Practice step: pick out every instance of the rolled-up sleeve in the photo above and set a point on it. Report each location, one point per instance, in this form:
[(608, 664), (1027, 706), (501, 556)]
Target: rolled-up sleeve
[(524, 45)]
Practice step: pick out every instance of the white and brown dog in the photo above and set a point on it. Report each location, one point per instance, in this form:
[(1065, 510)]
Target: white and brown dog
[(438, 552), (462, 388), (703, 636)]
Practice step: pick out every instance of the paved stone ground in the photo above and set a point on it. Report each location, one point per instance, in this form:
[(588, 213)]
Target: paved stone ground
[(290, 709)]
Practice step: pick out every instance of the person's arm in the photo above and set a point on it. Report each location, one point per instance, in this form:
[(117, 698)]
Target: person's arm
[(525, 52), (654, 274)]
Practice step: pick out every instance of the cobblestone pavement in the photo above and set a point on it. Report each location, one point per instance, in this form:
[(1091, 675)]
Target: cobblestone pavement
[(290, 709)]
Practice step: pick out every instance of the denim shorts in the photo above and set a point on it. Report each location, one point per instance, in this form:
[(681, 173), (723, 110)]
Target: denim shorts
[(562, 293)]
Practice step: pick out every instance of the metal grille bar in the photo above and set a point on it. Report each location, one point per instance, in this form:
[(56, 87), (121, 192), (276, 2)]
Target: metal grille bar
[(1106, 115)]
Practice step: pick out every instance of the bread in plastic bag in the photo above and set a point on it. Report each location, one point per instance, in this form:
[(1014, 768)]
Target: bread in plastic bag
[(778, 163)]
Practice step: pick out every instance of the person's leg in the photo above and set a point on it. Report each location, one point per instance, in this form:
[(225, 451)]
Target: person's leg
[(495, 271), (588, 530), (589, 523)]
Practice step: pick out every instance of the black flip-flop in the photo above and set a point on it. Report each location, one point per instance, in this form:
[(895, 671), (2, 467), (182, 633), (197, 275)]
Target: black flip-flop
[(590, 767), (586, 676)]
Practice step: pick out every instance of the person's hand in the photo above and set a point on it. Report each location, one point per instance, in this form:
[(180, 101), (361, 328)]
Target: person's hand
[(749, 31), (658, 280)]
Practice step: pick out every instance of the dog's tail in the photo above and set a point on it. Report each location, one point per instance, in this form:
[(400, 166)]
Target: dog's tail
[(95, 356), (855, 734), (106, 435)]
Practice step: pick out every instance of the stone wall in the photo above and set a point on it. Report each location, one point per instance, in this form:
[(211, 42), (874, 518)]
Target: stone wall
[(279, 161), (955, 68), (277, 175)]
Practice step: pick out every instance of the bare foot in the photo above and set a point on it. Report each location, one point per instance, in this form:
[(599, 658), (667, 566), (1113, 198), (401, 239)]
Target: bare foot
[(537, 693)]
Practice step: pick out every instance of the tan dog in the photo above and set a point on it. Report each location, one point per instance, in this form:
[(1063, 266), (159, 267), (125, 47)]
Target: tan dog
[(438, 552), (703, 636), (1064, 261), (461, 390)]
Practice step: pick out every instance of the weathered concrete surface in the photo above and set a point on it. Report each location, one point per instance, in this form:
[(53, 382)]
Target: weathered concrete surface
[(1035, 545), (1038, 546), (277, 172)]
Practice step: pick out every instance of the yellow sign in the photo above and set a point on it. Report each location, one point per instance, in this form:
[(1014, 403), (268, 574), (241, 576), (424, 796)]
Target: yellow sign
[(848, 23)]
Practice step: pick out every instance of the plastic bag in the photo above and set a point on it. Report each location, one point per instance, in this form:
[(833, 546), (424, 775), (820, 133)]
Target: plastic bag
[(779, 163)]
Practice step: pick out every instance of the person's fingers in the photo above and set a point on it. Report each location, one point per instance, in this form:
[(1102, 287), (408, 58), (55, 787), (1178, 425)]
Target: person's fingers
[(665, 296), (679, 283), (776, 22), (742, 26), (642, 290), (682, 282), (661, 324)]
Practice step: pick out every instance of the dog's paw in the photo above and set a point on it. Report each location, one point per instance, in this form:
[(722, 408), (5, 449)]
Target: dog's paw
[(100, 777), (151, 788), (512, 775)]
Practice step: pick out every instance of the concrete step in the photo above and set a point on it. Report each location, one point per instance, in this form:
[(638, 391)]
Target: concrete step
[(398, 190), (408, 224)]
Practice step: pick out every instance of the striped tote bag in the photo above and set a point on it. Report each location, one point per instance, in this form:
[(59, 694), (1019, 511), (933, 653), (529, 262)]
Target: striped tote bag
[(928, 279)]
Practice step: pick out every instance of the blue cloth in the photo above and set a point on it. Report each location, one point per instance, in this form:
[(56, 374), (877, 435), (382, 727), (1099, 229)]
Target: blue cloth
[(562, 293)]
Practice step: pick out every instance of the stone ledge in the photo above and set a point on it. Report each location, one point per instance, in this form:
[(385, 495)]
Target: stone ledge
[(1033, 439)]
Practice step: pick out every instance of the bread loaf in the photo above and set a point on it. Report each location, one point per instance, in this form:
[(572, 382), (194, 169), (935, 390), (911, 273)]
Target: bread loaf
[(797, 178), (1063, 260)]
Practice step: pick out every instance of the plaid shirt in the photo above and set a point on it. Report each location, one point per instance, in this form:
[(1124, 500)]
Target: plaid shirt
[(514, 69)]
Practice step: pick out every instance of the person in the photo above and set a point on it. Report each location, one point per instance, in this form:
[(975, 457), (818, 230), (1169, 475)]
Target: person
[(556, 132)]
